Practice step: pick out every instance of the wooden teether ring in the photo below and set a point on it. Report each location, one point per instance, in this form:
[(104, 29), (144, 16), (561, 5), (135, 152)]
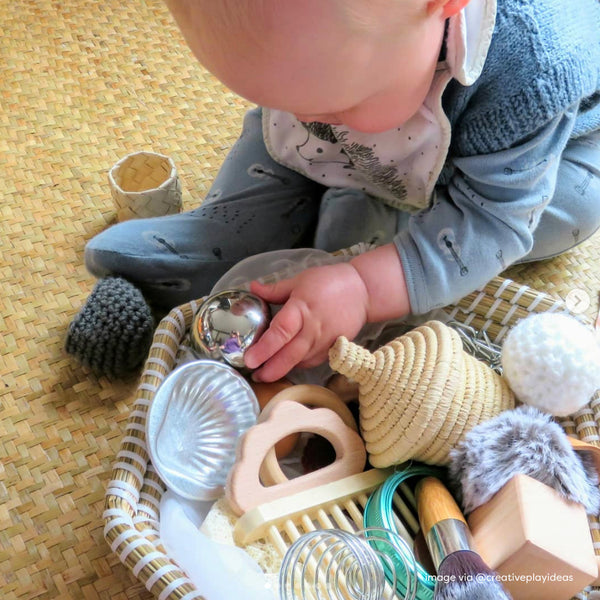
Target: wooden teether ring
[(244, 490), (264, 392), (581, 446), (314, 396)]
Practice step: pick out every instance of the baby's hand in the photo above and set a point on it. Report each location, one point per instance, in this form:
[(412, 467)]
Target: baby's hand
[(320, 304)]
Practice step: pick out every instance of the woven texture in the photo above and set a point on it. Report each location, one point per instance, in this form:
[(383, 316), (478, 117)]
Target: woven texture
[(145, 184), (82, 86), (573, 276), (419, 394)]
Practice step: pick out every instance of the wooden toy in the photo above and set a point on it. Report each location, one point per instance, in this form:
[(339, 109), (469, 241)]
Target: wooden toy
[(587, 448), (244, 489), (312, 396), (539, 544), (264, 392), (345, 388), (337, 504)]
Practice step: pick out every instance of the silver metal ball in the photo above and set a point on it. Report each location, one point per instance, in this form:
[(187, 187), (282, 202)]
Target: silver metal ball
[(227, 324)]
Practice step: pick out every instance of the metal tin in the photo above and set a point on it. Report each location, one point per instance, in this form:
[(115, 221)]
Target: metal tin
[(194, 424), (227, 324)]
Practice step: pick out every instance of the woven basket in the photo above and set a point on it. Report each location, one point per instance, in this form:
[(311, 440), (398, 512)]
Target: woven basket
[(133, 496), (145, 184)]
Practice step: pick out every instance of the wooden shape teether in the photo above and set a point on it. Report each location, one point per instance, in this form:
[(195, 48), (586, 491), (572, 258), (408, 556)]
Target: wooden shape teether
[(244, 489), (264, 393), (313, 396)]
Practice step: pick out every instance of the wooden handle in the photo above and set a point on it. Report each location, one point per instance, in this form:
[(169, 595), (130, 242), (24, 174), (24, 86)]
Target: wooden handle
[(435, 503)]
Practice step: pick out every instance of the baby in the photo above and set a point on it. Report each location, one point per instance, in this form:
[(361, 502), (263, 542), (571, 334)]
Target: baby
[(456, 137)]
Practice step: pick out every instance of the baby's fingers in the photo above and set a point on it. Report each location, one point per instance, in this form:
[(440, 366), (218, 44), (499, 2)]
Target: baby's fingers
[(315, 359), (283, 361), (284, 327), (274, 293)]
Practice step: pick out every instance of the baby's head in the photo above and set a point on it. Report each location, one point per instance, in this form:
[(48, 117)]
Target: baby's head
[(367, 64)]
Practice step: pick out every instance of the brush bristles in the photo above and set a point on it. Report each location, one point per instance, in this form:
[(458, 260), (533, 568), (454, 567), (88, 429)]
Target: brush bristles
[(464, 576)]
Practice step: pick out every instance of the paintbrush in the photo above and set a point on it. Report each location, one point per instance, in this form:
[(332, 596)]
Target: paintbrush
[(461, 572)]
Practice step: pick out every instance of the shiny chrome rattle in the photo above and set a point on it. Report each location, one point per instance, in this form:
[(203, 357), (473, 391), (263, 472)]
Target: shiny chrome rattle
[(227, 324)]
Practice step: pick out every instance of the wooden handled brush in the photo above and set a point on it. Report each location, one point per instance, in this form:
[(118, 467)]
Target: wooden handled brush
[(461, 572)]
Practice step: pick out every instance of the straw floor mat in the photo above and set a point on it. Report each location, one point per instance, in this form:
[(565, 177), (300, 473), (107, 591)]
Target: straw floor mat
[(81, 85)]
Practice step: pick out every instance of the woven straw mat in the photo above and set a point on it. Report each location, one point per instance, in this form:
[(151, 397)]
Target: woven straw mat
[(83, 86)]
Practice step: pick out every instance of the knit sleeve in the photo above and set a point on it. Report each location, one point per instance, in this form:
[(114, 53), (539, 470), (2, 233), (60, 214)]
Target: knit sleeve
[(483, 220), (544, 56)]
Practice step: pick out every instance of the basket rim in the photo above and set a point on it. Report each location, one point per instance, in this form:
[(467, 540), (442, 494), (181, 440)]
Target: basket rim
[(133, 495)]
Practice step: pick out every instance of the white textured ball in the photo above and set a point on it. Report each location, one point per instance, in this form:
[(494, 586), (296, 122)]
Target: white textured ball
[(552, 361)]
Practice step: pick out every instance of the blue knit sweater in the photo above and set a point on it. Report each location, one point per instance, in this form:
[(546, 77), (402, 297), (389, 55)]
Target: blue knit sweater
[(539, 88), (544, 57)]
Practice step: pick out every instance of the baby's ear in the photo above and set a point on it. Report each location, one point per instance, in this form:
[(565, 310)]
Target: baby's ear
[(449, 7)]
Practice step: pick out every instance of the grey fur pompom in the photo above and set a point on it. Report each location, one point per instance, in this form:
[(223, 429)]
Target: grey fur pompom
[(527, 441), (113, 331)]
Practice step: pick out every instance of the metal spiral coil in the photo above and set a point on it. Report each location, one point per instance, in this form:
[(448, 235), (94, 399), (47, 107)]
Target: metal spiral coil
[(332, 564)]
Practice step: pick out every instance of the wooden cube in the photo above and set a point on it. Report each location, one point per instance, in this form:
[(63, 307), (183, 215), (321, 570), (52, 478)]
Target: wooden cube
[(539, 544)]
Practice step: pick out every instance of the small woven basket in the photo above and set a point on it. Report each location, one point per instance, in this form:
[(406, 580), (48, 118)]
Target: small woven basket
[(133, 496), (145, 184)]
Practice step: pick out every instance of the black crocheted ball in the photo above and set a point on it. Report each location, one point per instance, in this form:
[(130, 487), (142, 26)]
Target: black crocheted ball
[(113, 331)]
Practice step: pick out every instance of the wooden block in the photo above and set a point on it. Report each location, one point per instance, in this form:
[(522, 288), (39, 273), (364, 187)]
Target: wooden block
[(537, 542)]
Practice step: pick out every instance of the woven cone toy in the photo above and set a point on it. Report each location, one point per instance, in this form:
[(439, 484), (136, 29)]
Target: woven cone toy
[(419, 394)]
